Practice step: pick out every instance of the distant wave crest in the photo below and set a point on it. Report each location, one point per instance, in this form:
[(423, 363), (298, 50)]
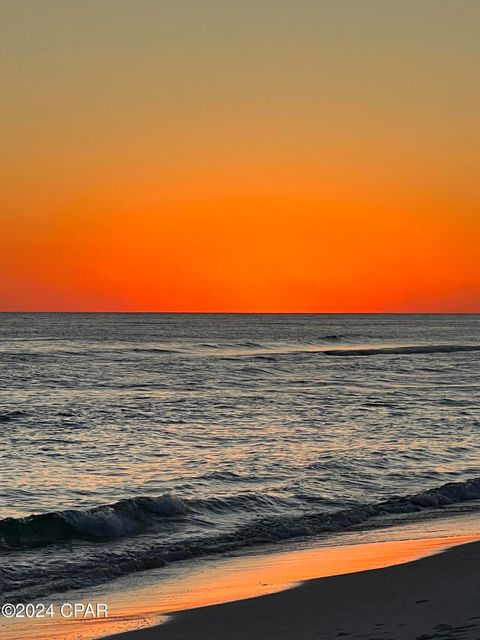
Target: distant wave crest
[(399, 350)]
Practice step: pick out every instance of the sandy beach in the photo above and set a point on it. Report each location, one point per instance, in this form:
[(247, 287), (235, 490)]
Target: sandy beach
[(432, 598)]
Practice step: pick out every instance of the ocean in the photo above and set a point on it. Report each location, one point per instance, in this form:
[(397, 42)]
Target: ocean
[(133, 441)]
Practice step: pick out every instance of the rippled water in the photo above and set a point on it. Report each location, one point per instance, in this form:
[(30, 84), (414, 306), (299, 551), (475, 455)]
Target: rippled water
[(148, 438)]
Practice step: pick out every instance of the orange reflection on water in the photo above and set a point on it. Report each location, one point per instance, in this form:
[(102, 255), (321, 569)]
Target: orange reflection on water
[(223, 580)]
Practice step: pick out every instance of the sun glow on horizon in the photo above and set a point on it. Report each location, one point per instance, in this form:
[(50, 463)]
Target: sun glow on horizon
[(302, 159)]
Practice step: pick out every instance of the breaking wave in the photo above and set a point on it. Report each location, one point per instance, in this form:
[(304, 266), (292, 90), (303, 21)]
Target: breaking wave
[(127, 517), (124, 518), (134, 515)]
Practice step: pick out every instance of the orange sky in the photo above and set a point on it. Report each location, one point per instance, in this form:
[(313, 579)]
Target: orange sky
[(289, 157)]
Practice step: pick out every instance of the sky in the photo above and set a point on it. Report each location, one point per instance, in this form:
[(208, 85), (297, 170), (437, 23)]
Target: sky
[(254, 156)]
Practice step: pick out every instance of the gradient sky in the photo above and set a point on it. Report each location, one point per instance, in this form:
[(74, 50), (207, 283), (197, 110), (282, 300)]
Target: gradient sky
[(262, 155)]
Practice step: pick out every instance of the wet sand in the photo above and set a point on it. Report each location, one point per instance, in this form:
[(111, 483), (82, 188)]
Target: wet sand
[(348, 590), (437, 597)]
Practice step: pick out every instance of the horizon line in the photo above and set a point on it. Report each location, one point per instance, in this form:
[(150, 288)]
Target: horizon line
[(245, 313)]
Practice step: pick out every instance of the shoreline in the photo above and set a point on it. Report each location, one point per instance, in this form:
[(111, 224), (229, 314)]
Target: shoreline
[(434, 597), (157, 603)]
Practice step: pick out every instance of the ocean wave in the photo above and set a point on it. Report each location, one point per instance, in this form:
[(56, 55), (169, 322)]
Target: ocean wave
[(155, 350), (399, 350), (134, 515), (123, 518), (10, 416), (282, 347), (333, 338), (310, 524), (242, 347), (251, 344), (107, 564)]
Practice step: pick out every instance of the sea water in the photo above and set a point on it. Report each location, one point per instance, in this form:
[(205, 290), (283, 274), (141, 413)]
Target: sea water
[(132, 441)]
